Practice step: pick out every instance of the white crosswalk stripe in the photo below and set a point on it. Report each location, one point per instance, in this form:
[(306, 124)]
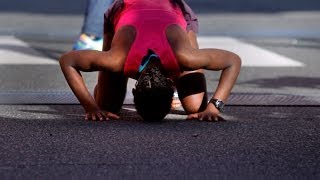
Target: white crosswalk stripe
[(16, 52), (251, 55)]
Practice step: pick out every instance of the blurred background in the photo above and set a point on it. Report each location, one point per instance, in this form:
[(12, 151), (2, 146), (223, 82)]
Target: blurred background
[(288, 18)]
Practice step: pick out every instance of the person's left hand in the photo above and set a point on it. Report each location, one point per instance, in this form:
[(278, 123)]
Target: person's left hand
[(211, 113)]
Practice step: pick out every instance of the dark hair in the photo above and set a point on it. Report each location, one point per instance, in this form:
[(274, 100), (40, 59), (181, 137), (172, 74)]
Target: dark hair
[(153, 93)]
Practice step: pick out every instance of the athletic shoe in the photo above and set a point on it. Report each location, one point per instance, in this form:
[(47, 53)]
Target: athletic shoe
[(86, 42), (176, 103)]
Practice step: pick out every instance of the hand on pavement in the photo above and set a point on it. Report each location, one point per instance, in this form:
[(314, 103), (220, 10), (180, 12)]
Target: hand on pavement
[(99, 115), (211, 113)]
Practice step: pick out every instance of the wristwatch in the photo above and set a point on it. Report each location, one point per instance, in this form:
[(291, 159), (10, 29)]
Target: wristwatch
[(217, 103)]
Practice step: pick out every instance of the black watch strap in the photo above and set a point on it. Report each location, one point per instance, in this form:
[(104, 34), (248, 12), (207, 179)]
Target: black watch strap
[(217, 103)]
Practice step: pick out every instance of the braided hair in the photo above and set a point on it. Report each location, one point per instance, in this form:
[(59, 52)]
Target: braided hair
[(153, 92)]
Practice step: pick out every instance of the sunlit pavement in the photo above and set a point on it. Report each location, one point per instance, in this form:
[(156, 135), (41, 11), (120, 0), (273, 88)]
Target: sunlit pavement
[(272, 116)]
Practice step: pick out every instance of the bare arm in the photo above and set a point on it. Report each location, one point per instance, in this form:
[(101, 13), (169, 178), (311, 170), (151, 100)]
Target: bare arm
[(190, 59), (75, 61), (113, 61), (229, 63)]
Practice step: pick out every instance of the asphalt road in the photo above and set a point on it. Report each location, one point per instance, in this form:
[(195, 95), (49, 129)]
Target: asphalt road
[(272, 118), (50, 142)]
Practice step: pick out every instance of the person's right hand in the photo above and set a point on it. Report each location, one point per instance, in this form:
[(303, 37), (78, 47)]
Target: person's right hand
[(98, 115), (211, 114)]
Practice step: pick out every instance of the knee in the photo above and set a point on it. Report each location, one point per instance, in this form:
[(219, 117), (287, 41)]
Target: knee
[(192, 92), (191, 83), (194, 103)]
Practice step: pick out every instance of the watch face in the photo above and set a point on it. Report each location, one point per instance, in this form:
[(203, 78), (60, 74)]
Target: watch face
[(217, 103)]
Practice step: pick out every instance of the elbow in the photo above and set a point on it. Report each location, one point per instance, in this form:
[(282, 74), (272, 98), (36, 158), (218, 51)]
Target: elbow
[(65, 60), (235, 61), (65, 63)]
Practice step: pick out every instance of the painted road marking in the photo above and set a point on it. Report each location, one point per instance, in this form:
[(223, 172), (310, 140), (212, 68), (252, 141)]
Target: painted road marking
[(14, 51), (251, 55)]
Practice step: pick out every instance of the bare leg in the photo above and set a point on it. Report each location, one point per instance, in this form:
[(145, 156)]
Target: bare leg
[(112, 61), (190, 58), (110, 91), (193, 100), (111, 88)]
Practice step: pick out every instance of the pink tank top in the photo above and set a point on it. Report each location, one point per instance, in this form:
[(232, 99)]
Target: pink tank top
[(151, 19)]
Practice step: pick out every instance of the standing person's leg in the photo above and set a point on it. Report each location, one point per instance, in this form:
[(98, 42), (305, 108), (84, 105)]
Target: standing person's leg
[(92, 28), (94, 16)]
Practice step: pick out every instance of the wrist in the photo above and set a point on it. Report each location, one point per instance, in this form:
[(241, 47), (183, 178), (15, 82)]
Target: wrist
[(212, 108), (218, 104), (91, 108)]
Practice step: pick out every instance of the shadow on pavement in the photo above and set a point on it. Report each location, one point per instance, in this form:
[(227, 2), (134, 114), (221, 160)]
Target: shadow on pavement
[(286, 81), (75, 112), (51, 53), (21, 49)]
